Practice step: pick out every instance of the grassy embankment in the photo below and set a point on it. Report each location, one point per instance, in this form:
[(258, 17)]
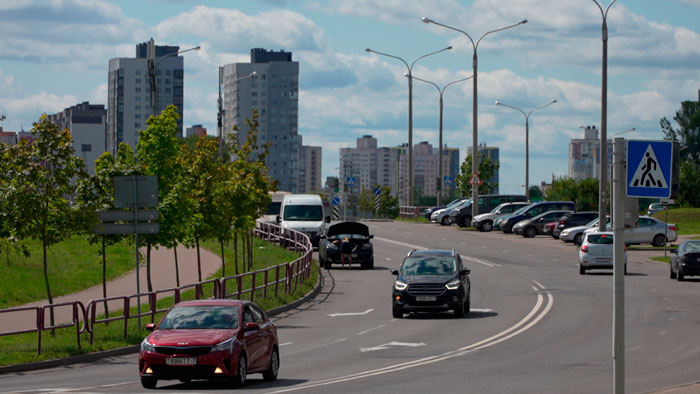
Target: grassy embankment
[(22, 348)]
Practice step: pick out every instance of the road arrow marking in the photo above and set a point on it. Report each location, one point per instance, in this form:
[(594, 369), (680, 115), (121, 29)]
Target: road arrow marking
[(390, 344), (351, 313)]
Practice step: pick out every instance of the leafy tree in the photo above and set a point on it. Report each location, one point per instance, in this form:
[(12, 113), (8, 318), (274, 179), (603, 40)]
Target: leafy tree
[(487, 168), (8, 237), (583, 193), (365, 201), (41, 188), (388, 205), (688, 132), (689, 187)]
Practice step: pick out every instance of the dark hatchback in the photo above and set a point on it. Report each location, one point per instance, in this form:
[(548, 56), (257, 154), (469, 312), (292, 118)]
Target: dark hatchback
[(573, 220), (529, 228), (358, 235), (533, 210), (431, 281), (686, 260)]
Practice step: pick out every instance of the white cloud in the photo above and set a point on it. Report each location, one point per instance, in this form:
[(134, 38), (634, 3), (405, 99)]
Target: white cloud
[(31, 107)]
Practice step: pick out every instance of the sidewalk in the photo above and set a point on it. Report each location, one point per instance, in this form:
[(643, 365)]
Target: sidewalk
[(162, 277)]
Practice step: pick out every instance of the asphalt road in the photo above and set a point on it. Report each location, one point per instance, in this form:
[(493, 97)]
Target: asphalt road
[(536, 326)]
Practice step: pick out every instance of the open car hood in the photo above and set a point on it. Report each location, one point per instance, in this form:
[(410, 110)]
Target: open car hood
[(348, 228)]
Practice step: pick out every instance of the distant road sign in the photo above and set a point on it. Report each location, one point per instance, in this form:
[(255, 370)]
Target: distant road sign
[(350, 181), (377, 191), (447, 180), (127, 228), (475, 180), (117, 216), (135, 190), (649, 167), (336, 201)]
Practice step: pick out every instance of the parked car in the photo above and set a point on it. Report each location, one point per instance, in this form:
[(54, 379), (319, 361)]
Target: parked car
[(273, 208), (463, 215), (548, 228), (431, 281), (442, 216), (429, 211), (212, 339), (655, 207), (534, 210), (498, 223), (572, 220), (303, 213), (357, 234), (649, 230), (529, 228), (597, 252), (484, 222), (575, 234), (685, 261)]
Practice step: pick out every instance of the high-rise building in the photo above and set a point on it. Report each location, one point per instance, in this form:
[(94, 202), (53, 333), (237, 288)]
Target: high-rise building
[(129, 92), (584, 155), (273, 93), (309, 169), (87, 124)]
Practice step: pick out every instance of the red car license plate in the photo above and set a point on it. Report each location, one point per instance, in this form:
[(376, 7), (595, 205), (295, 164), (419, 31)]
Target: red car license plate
[(181, 361)]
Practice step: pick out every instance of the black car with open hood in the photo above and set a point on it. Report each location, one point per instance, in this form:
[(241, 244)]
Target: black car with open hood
[(359, 237)]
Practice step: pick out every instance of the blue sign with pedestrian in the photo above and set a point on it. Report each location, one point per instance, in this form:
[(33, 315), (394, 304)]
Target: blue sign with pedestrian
[(336, 201), (447, 180), (350, 181), (377, 191), (649, 166)]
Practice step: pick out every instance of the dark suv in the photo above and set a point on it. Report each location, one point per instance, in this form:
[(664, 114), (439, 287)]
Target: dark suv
[(431, 281), (573, 220)]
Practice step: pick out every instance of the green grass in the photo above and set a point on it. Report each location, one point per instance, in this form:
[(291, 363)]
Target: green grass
[(686, 219), (73, 265), (663, 259), (419, 219), (18, 349)]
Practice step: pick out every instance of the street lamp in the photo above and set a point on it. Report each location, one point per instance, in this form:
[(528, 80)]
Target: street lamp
[(220, 114), (603, 119), (440, 91), (153, 67), (410, 113), (527, 141), (475, 138)]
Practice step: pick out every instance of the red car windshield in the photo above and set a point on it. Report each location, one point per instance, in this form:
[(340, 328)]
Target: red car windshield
[(200, 317)]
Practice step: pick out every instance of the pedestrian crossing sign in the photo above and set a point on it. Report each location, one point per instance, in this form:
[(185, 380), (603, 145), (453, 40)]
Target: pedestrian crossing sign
[(649, 167)]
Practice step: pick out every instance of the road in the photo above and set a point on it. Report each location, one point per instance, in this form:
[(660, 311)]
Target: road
[(536, 326)]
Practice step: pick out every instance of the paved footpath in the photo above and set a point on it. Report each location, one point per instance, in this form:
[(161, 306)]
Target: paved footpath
[(162, 277)]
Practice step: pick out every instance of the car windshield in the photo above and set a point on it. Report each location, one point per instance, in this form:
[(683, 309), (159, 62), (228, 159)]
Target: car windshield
[(348, 236), (692, 247), (455, 203), (495, 210), (429, 265), (600, 239), (521, 210), (303, 212), (200, 317)]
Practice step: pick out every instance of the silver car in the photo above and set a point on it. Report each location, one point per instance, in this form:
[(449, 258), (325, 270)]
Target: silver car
[(597, 252), (442, 216), (484, 222), (575, 234), (649, 231)]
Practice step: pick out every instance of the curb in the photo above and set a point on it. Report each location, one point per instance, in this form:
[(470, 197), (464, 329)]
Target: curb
[(81, 358)]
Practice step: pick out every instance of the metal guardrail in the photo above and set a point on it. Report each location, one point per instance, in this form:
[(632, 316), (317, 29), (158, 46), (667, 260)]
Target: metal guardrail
[(295, 272)]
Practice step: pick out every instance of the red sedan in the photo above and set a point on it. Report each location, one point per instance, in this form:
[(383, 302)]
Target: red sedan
[(210, 339)]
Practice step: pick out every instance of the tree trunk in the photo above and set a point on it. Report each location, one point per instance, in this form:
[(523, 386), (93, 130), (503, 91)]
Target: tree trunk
[(250, 252), (177, 269), (199, 261), (244, 251), (46, 281), (223, 259), (235, 250), (148, 266), (104, 276)]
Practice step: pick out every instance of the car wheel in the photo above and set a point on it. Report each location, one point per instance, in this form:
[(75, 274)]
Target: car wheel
[(367, 265), (242, 372), (507, 229), (465, 222), (397, 313), (673, 274), (578, 239), (459, 309), (487, 226), (445, 221), (679, 276), (581, 270), (149, 383), (555, 236), (530, 232), (468, 304), (270, 373), (659, 240)]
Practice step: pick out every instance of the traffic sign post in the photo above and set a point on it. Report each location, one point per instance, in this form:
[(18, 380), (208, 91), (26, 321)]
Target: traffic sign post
[(377, 201), (649, 168), (475, 180)]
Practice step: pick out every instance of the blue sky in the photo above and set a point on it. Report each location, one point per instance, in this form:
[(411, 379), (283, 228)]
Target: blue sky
[(55, 53)]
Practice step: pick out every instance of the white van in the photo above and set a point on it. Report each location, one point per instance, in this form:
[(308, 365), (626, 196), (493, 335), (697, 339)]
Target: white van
[(273, 209), (304, 213)]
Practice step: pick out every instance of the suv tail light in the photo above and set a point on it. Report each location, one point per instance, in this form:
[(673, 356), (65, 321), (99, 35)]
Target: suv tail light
[(584, 248)]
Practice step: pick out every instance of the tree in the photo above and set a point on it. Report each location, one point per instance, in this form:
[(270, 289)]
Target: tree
[(583, 193), (388, 205), (487, 168), (688, 132), (689, 185), (41, 189)]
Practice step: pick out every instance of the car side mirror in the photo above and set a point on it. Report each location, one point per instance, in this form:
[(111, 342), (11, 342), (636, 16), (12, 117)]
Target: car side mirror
[(674, 251), (371, 236), (394, 272), (324, 236), (252, 326), (541, 220), (150, 327), (278, 219), (327, 219), (465, 271)]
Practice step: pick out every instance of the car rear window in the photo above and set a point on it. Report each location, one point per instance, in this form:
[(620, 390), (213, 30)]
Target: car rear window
[(600, 239), (429, 265)]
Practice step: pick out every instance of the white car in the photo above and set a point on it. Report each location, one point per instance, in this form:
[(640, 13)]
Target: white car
[(442, 216), (648, 231), (597, 252), (575, 234)]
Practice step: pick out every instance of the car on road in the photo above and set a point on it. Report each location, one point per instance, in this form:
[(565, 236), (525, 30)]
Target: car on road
[(357, 234), (431, 281), (597, 252), (442, 216), (529, 228), (484, 222), (462, 215), (572, 220), (533, 210), (575, 234), (649, 230), (686, 260), (214, 339), (655, 207)]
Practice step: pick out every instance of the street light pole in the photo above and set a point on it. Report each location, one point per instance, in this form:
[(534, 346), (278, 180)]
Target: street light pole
[(475, 123), (220, 114), (527, 141), (440, 91), (603, 120), (153, 67), (410, 114)]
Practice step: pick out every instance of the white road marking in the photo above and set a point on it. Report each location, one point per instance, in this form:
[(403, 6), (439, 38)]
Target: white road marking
[(351, 313), (317, 346), (555, 259), (387, 259), (484, 262), (391, 241), (462, 243), (371, 329), (443, 239), (506, 251), (484, 310), (390, 344), (635, 348), (663, 332), (286, 343)]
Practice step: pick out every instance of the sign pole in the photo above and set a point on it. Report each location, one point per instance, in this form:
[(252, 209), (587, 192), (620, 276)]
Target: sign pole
[(619, 262)]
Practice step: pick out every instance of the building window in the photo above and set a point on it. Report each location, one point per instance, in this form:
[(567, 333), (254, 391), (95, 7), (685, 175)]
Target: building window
[(137, 108), (137, 80), (86, 148), (138, 90)]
